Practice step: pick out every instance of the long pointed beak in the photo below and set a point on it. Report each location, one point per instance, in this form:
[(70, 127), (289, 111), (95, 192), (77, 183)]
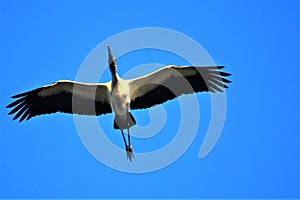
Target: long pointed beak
[(110, 56)]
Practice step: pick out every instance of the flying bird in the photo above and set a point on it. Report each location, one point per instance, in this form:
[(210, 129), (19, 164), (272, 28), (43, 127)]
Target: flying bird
[(118, 96)]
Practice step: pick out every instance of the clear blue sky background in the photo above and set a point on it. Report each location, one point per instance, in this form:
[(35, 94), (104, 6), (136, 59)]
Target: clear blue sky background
[(258, 154)]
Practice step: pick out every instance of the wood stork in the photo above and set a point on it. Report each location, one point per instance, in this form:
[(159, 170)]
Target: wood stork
[(118, 95)]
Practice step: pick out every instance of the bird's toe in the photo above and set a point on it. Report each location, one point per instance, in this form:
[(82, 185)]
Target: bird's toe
[(129, 153)]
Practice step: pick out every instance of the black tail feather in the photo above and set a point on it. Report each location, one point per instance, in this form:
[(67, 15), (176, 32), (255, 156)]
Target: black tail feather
[(122, 122)]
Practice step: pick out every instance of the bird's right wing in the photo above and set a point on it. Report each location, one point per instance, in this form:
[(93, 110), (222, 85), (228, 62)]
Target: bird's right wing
[(173, 81), (62, 96)]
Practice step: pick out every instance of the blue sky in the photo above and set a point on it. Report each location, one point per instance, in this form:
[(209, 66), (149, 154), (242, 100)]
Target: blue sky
[(257, 155)]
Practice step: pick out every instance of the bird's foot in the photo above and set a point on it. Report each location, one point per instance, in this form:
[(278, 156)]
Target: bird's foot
[(129, 152)]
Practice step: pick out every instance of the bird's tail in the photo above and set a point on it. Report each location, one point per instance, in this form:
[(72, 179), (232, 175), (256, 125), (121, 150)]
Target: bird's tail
[(124, 122)]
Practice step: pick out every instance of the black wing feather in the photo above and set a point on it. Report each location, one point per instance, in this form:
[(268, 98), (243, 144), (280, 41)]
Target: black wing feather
[(30, 104), (191, 79)]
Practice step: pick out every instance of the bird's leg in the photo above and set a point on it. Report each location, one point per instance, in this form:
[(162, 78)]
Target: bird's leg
[(124, 138), (129, 148)]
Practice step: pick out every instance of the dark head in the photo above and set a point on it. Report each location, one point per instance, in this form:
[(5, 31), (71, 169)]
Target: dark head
[(112, 62)]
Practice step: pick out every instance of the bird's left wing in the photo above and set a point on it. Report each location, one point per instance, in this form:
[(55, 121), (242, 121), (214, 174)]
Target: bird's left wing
[(62, 96), (173, 81)]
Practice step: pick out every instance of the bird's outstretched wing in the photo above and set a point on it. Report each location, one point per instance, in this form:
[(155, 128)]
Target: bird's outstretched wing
[(173, 81), (62, 96)]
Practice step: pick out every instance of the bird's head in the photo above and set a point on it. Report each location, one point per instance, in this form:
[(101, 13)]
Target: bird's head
[(111, 61)]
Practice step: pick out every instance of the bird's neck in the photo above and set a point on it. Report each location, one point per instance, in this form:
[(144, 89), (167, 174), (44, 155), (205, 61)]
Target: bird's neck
[(113, 71), (114, 79)]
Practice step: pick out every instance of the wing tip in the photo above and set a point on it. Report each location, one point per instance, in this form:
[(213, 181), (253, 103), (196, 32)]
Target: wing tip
[(226, 74), (226, 80), (15, 117), (19, 95), (11, 112), (9, 106)]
